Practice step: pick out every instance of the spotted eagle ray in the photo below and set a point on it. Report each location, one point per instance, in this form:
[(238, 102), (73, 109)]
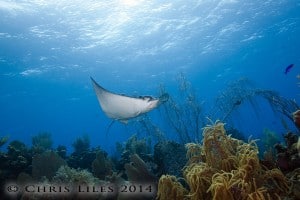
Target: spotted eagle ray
[(122, 108)]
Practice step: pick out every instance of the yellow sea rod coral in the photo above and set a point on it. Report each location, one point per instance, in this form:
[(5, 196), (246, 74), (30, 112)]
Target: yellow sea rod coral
[(278, 180), (248, 161), (194, 153), (259, 194), (198, 177), (221, 185), (170, 188), (227, 168), (218, 147)]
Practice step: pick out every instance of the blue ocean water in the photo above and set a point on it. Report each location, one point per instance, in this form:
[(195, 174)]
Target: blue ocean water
[(49, 50)]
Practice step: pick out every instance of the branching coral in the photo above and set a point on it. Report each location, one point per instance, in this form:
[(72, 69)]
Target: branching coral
[(241, 91), (145, 126), (184, 117)]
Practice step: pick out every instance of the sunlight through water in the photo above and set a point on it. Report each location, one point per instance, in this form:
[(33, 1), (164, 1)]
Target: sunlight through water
[(130, 3)]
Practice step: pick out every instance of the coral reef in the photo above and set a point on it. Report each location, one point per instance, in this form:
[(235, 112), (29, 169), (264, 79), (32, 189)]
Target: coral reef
[(298, 146), (171, 188), (46, 164), (288, 157), (81, 144), (226, 168), (294, 177), (220, 167), (42, 142), (82, 160), (66, 182), (137, 171), (102, 166), (83, 156), (164, 157), (62, 151), (24, 178), (68, 175), (136, 146), (133, 145), (296, 118), (3, 140), (270, 138), (17, 159)]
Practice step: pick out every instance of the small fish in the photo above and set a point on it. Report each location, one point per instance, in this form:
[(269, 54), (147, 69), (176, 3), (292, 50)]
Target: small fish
[(288, 68)]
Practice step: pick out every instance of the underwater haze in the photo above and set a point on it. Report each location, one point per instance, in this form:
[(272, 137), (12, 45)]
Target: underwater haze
[(50, 49)]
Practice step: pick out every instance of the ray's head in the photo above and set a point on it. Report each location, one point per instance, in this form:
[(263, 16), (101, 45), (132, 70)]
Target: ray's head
[(151, 102), (154, 102)]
